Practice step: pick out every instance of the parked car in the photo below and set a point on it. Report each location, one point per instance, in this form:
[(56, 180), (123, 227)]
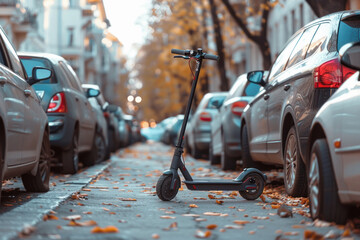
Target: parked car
[(276, 125), (170, 135), (156, 133), (225, 145), (24, 132), (102, 140), (198, 130), (123, 130), (111, 120), (72, 120), (333, 175)]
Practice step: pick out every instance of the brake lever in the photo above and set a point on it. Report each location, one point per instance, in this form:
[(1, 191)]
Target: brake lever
[(180, 56)]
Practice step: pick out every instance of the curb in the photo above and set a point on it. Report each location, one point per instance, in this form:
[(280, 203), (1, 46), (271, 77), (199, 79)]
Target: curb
[(33, 211)]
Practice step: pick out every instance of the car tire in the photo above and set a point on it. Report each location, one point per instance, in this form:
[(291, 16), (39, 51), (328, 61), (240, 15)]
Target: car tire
[(323, 191), (213, 158), (97, 153), (70, 157), (112, 144), (195, 152), (247, 160), (227, 162), (40, 182), (294, 168), (1, 163)]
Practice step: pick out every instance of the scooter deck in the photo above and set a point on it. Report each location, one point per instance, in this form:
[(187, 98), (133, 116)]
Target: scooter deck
[(218, 184)]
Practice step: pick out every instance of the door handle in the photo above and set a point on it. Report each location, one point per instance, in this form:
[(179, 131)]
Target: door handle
[(3, 80), (27, 92), (266, 96), (287, 87)]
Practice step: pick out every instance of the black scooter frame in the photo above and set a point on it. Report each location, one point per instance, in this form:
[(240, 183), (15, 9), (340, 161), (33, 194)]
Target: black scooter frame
[(241, 183)]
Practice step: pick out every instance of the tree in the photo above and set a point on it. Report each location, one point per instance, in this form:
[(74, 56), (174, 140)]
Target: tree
[(325, 7), (261, 9), (224, 86)]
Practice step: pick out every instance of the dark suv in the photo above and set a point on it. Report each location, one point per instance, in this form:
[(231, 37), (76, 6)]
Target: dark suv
[(72, 120), (276, 125)]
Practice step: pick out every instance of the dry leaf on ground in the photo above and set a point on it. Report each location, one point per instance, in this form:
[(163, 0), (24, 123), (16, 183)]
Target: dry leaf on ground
[(201, 234), (108, 229)]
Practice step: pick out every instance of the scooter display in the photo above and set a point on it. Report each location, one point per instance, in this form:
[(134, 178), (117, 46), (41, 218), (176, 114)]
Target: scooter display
[(251, 181)]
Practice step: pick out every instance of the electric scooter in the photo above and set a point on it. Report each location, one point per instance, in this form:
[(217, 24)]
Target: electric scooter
[(250, 183)]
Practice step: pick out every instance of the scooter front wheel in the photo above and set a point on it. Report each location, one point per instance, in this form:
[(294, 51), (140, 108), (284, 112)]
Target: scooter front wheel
[(253, 193), (163, 187)]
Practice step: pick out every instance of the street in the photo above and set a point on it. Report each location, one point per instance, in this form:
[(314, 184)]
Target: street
[(117, 200)]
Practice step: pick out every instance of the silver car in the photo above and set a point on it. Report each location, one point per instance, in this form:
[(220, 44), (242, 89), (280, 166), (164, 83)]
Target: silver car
[(225, 144), (333, 174), (198, 130), (25, 146)]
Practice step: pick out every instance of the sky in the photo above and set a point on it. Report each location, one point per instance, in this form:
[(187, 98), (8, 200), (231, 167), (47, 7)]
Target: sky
[(128, 19)]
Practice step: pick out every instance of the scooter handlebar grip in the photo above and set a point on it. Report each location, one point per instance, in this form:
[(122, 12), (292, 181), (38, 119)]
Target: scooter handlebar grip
[(178, 51), (211, 57)]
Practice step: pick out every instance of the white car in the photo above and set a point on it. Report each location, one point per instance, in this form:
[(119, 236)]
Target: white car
[(334, 166)]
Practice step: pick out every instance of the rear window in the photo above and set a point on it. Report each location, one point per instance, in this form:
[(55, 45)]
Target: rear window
[(251, 89), (31, 62), (213, 99), (349, 31)]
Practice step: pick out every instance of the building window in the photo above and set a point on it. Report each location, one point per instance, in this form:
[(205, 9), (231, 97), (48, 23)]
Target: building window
[(301, 15), (71, 36), (293, 21)]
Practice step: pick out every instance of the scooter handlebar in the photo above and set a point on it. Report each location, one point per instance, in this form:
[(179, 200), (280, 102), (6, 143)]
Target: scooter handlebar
[(180, 52), (211, 57), (193, 53)]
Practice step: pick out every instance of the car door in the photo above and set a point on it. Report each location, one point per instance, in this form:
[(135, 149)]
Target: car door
[(277, 90), (33, 115), (87, 118)]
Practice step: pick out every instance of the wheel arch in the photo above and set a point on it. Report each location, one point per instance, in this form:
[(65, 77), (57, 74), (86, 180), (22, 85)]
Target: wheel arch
[(287, 123), (316, 132)]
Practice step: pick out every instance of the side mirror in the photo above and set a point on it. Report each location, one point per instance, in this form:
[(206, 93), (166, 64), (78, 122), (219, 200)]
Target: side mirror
[(350, 55), (256, 77), (39, 74), (216, 104), (91, 92)]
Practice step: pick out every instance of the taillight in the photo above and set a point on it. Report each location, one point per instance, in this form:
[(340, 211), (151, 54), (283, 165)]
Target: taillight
[(237, 108), (347, 72), (106, 114), (57, 103), (331, 74), (205, 116)]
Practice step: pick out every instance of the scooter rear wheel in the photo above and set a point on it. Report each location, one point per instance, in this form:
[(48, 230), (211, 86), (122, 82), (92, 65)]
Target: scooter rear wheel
[(253, 194), (163, 189)]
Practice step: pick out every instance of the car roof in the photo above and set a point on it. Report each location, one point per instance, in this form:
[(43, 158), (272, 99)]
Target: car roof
[(51, 57)]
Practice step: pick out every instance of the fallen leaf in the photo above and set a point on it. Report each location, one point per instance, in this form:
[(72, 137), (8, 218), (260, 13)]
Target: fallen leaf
[(241, 222), (211, 226), (212, 214), (201, 234), (172, 226), (275, 206), (74, 223), (252, 232), (190, 215), (127, 199), (86, 190), (200, 219), (108, 229), (291, 233), (193, 206), (167, 217), (200, 198), (72, 217), (233, 227), (346, 233), (155, 236), (50, 217), (262, 198), (211, 196), (220, 202)]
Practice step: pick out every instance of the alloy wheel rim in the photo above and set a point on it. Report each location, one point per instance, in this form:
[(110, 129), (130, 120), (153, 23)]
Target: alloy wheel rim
[(291, 161), (314, 181), (44, 163), (100, 145), (76, 151)]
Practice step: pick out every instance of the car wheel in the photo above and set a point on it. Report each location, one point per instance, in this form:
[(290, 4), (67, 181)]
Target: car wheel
[(40, 182), (323, 192), (1, 165), (227, 162), (294, 167), (248, 162), (111, 136), (195, 152), (97, 153), (213, 158), (70, 157)]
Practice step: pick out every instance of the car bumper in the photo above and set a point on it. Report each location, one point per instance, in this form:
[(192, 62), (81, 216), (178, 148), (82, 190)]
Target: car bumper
[(61, 131)]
